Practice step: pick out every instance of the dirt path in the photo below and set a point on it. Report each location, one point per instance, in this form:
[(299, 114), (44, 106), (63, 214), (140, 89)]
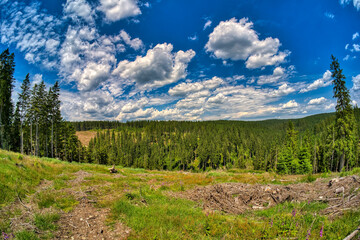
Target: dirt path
[(86, 221)]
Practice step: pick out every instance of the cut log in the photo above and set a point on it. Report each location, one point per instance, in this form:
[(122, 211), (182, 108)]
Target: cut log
[(113, 170), (353, 234)]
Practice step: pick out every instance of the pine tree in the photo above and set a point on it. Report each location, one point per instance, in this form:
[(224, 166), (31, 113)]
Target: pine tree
[(55, 117), (344, 121), (7, 67), (23, 105)]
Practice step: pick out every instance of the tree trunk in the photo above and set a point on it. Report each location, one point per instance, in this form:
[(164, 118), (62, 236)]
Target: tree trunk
[(21, 139), (37, 140), (52, 138), (342, 161), (31, 140)]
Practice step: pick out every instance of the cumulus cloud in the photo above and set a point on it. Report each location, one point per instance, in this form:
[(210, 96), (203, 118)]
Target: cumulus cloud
[(278, 74), (159, 67), (356, 83), (290, 104), (237, 40), (86, 57), (116, 10), (321, 82), (135, 43), (184, 89), (79, 9), (317, 101), (77, 106)]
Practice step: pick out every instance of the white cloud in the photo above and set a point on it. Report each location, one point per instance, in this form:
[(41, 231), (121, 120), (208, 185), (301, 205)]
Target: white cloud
[(329, 15), (193, 38), (321, 82), (207, 24), (33, 31), (76, 9), (95, 105), (135, 43), (236, 40), (290, 104), (86, 57), (347, 57), (355, 35), (279, 73), (218, 99), (356, 83), (93, 74), (317, 101), (356, 3), (356, 47), (37, 79), (184, 89), (346, 46), (115, 10), (159, 67)]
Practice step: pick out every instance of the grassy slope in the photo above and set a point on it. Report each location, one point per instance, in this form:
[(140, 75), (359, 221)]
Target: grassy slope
[(139, 199)]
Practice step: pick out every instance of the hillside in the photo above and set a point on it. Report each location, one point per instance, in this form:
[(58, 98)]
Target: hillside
[(204, 145), (50, 199)]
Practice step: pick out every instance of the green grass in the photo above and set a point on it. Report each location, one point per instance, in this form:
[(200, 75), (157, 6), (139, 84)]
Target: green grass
[(26, 235), (46, 221), (59, 200), (139, 199)]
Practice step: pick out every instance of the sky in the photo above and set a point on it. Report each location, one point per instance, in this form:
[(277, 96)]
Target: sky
[(191, 60)]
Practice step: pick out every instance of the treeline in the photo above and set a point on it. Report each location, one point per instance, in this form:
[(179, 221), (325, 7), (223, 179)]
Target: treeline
[(273, 145), (35, 126), (325, 142)]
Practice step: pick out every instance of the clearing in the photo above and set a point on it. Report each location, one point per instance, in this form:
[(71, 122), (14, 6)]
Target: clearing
[(49, 199)]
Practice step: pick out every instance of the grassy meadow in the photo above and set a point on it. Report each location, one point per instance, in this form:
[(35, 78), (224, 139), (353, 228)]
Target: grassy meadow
[(141, 200)]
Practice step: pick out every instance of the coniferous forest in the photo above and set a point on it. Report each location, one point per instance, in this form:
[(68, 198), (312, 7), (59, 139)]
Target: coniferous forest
[(319, 143), (34, 124)]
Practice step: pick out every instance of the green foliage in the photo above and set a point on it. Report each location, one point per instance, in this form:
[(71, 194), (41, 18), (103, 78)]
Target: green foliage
[(345, 120)]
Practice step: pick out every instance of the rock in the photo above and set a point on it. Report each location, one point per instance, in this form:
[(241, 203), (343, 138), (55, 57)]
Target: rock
[(340, 190)]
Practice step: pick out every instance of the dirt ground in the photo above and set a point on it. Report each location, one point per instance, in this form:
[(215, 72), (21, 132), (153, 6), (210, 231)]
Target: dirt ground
[(85, 221), (85, 136), (340, 193)]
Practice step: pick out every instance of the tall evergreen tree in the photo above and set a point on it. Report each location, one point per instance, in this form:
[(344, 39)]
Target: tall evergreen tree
[(54, 117), (23, 108), (7, 67), (344, 121)]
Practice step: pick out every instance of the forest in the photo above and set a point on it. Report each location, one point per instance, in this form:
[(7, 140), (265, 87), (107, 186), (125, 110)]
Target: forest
[(34, 126), (319, 143)]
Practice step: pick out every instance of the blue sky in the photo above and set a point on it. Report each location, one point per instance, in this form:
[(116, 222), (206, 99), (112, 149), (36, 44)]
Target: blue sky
[(185, 60)]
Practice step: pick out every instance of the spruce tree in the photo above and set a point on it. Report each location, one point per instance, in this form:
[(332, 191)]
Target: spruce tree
[(7, 67), (23, 108), (344, 121)]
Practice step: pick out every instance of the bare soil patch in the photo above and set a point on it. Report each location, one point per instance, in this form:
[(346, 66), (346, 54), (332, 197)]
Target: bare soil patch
[(86, 221), (340, 193), (85, 137)]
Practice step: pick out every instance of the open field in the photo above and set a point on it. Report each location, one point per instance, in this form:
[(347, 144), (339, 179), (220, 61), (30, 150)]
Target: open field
[(85, 136), (49, 199)]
